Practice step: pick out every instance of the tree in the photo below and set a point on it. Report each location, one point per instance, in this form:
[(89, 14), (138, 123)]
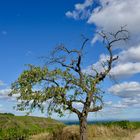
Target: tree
[(66, 85)]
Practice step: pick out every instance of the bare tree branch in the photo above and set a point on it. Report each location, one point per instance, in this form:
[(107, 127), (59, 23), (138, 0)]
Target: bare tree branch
[(116, 38)]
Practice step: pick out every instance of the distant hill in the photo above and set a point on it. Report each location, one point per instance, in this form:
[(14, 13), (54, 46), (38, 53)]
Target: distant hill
[(20, 127)]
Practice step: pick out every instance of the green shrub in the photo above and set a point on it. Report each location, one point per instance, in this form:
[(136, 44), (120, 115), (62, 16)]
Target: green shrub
[(22, 127), (124, 124)]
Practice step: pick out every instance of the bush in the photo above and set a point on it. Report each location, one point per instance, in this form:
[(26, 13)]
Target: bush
[(22, 127), (8, 114)]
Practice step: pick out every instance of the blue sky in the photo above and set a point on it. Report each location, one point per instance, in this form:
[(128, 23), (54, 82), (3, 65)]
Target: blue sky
[(32, 28)]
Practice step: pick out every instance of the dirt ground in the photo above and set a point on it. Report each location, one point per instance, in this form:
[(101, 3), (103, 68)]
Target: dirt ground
[(137, 137)]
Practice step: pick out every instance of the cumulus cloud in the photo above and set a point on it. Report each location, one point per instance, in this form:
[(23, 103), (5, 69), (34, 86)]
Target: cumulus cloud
[(126, 69), (129, 93), (126, 89), (115, 13), (130, 55), (126, 103), (111, 14), (128, 62), (120, 69), (129, 101), (81, 11)]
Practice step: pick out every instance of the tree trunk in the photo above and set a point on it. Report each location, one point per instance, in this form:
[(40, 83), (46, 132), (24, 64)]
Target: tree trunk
[(83, 128)]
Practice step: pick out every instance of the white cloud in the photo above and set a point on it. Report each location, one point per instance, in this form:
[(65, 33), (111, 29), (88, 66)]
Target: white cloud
[(72, 15), (126, 103), (129, 93), (119, 70), (128, 63), (126, 90), (81, 11), (110, 15), (4, 93), (130, 101), (119, 105), (126, 69), (117, 13), (130, 55), (95, 38), (86, 4)]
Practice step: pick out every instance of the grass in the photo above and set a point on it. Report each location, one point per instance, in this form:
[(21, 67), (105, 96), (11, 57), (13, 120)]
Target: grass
[(41, 136), (22, 127), (122, 130)]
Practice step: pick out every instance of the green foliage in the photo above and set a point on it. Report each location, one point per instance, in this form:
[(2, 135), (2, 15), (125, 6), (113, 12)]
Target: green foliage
[(123, 124), (21, 127), (31, 96), (37, 85)]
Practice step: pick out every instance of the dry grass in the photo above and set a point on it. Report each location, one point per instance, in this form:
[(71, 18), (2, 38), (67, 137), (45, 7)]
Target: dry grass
[(70, 133), (95, 132), (42, 136), (109, 133)]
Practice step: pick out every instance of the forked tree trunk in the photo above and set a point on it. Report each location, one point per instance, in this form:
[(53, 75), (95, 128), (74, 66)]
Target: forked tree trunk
[(83, 128)]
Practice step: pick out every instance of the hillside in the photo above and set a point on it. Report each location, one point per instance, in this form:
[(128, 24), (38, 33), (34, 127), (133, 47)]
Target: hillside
[(21, 127)]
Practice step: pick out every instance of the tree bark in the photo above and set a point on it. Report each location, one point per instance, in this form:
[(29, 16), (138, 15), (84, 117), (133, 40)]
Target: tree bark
[(83, 128)]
